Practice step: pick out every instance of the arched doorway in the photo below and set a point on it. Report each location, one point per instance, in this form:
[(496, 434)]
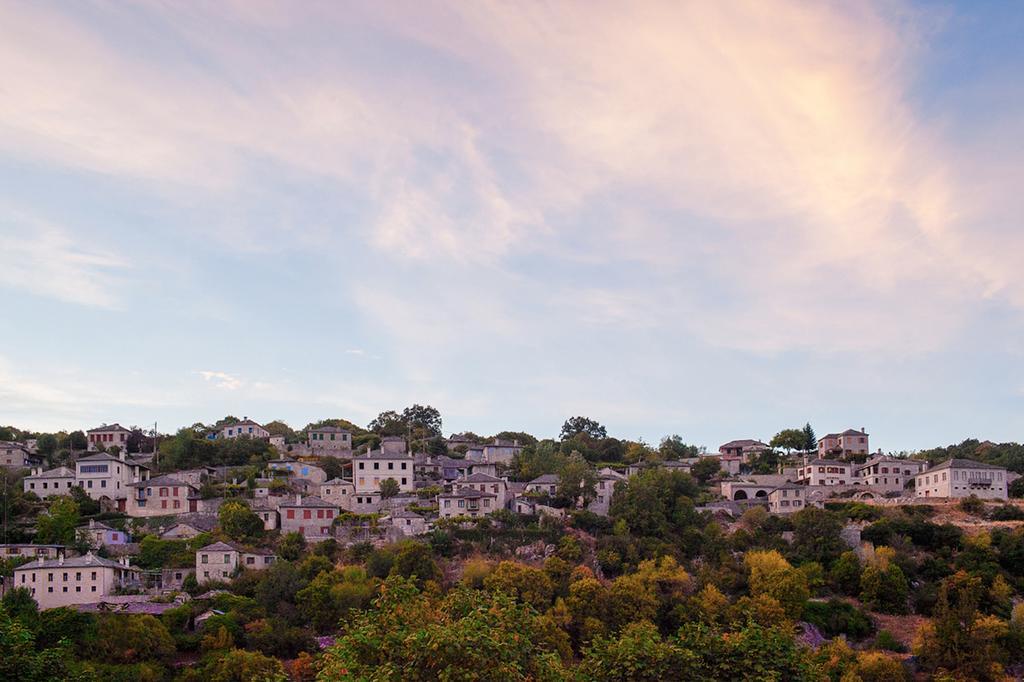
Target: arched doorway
[(740, 495)]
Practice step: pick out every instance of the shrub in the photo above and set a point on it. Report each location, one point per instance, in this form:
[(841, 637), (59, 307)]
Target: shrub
[(836, 617), (887, 641)]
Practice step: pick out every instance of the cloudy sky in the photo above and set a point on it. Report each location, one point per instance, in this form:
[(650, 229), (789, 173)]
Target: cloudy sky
[(710, 219)]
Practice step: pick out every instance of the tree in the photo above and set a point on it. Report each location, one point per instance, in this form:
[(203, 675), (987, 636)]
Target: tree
[(772, 575), (423, 421), (575, 426), (414, 560), (577, 482), (673, 448), (388, 423), (20, 659), (57, 525), (810, 440), (883, 587), (959, 638), (291, 546), (239, 522), (76, 440), (389, 488), (816, 535), (527, 584), (705, 468), (46, 444), (130, 639), (789, 439)]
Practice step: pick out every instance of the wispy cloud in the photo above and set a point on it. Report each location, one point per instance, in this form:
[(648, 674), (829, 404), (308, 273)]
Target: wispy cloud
[(47, 260), (223, 380)]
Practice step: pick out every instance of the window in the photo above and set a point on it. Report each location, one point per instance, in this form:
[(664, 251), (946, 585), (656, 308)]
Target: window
[(250, 560), (291, 514), (227, 558), (206, 558), (403, 466), (307, 514)]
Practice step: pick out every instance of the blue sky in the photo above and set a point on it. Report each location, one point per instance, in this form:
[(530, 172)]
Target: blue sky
[(716, 220)]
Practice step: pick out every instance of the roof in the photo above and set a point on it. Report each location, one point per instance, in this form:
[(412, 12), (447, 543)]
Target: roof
[(404, 514), (467, 492), (853, 432), (545, 479), (480, 477), (95, 525), (89, 560), (219, 547), (337, 481), (330, 429), (963, 464), (167, 479), (829, 462), (743, 443), (59, 472), (244, 422), (310, 501), (107, 457), (380, 454), (198, 520), (789, 486), (109, 427)]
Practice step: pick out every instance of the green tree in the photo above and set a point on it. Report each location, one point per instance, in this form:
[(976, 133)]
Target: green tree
[(673, 448), (883, 586), (57, 524), (239, 522), (20, 659), (291, 546), (389, 488), (705, 468), (773, 576), (810, 440), (131, 639), (577, 482), (414, 560), (527, 584), (816, 535), (789, 439), (46, 444), (575, 426)]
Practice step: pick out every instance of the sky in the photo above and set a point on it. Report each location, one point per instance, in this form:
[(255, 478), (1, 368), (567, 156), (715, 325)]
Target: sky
[(715, 220)]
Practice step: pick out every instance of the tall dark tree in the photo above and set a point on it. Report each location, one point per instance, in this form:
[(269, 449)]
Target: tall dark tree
[(810, 440), (575, 426), (423, 420)]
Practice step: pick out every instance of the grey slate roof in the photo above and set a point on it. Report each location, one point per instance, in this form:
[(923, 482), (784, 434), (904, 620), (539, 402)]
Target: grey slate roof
[(545, 479), (310, 501), (59, 472), (87, 561), (962, 464)]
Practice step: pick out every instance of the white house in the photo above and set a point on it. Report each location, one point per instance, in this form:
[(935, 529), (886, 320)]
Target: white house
[(77, 580), (606, 481), (888, 474), (545, 483), (309, 516), (16, 456), (105, 475), (407, 522), (246, 427), (787, 498), (107, 436), (472, 503), (826, 472), (369, 470), (957, 478), (58, 481), (331, 441), (487, 484), (160, 496), (221, 561)]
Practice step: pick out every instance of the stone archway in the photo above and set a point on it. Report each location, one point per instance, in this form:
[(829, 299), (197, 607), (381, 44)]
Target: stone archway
[(740, 495), (761, 493)]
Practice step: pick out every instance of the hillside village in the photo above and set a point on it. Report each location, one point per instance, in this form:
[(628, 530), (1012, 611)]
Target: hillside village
[(125, 521)]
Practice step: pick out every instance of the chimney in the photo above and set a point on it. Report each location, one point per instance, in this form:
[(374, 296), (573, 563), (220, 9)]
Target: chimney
[(298, 498), (92, 523), (60, 559), (862, 429), (120, 455)]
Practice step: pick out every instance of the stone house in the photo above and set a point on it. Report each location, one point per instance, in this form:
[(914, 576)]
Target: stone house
[(958, 478), (108, 436), (309, 516), (78, 580), (160, 496), (57, 481)]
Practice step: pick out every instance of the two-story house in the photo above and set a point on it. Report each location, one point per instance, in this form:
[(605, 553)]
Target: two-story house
[(487, 484), (466, 502), (787, 498), (304, 470), (97, 534), (337, 491), (605, 489), (246, 427), (889, 474), (826, 472), (849, 442), (160, 496), (958, 478), (744, 448), (16, 456), (309, 516), (222, 561), (57, 481), (105, 475), (369, 470), (107, 436), (408, 523), (546, 484), (330, 441), (64, 581)]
